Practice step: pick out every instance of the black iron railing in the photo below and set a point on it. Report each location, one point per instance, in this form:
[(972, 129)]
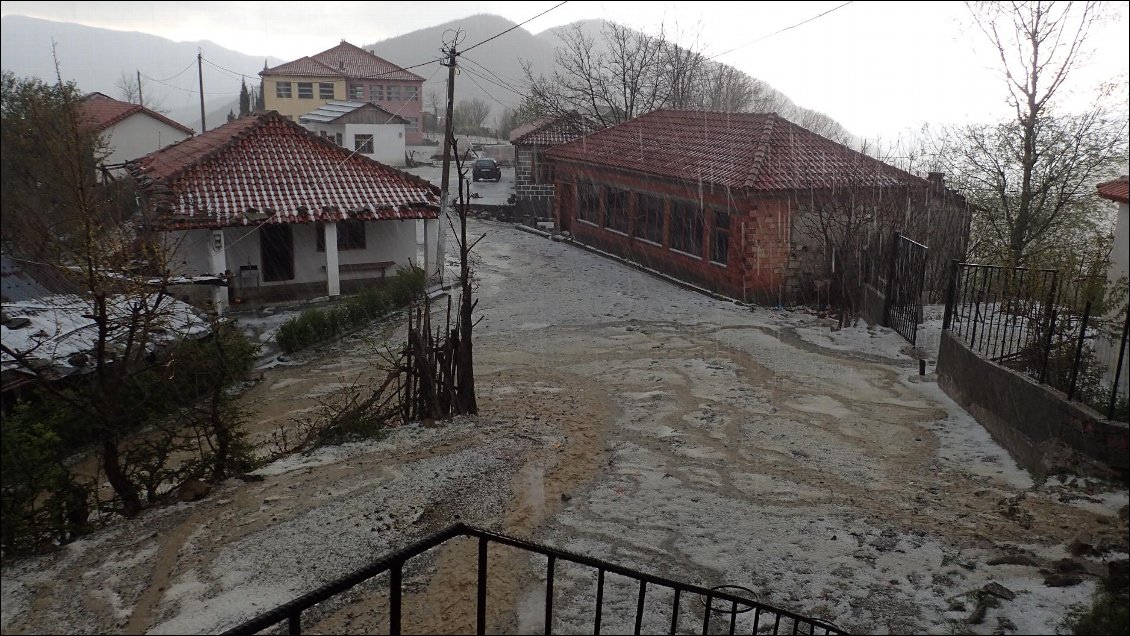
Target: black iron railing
[(766, 618), (907, 278), (1034, 322)]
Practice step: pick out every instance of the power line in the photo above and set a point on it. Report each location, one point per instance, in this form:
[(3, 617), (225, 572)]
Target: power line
[(229, 71), (501, 83), (471, 76), (514, 27), (765, 37), (187, 90), (173, 77)]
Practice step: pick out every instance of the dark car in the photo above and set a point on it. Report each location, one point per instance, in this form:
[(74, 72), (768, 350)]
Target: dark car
[(486, 169)]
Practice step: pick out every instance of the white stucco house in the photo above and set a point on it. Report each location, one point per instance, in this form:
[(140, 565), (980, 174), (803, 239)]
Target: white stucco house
[(1118, 191), (362, 127), (129, 130), (283, 213)]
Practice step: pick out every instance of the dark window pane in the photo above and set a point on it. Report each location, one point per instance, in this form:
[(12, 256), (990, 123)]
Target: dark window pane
[(616, 209), (649, 218)]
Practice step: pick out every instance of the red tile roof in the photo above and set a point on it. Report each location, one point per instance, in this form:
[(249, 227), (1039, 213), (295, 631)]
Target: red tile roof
[(1117, 190), (304, 66), (345, 60), (552, 131), (268, 164), (101, 112), (759, 151)]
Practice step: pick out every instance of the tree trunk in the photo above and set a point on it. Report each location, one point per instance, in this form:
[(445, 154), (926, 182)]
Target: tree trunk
[(126, 490)]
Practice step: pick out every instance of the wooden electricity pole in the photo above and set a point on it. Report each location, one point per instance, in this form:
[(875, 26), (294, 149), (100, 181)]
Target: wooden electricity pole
[(448, 140), (200, 74), (140, 99)]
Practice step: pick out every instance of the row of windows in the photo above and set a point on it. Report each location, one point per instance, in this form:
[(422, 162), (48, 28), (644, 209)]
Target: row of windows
[(385, 92), (305, 90), (687, 220)]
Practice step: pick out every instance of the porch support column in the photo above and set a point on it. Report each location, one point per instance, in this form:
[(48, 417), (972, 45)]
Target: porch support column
[(333, 275), (218, 263), (429, 250)]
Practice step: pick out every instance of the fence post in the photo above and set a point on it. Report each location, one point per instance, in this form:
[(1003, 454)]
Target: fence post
[(950, 299), (1118, 369), (888, 300), (1051, 326), (1079, 350)]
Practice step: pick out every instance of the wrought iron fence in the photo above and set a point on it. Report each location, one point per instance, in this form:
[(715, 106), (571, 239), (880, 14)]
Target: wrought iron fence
[(766, 619), (1035, 322), (903, 307)]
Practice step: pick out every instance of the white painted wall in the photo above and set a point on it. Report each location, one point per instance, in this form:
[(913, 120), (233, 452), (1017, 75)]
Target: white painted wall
[(1120, 253), (388, 139), (384, 241), (138, 135)]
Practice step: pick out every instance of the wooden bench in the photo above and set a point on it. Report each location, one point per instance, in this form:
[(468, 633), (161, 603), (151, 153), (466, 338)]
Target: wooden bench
[(349, 268)]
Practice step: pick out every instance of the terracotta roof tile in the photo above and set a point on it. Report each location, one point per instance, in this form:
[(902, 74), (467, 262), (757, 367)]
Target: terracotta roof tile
[(1117, 190), (101, 111), (266, 163), (344, 60), (760, 151), (552, 131), (305, 66)]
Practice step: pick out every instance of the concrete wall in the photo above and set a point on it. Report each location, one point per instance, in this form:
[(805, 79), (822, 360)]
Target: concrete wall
[(1033, 421), (294, 106), (388, 139), (1120, 253), (138, 135), (384, 241)]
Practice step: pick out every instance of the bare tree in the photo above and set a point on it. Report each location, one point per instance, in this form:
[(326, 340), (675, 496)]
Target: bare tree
[(1031, 178), (470, 114), (129, 90)]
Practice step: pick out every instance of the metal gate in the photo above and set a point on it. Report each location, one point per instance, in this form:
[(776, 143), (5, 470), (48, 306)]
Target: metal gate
[(905, 281)]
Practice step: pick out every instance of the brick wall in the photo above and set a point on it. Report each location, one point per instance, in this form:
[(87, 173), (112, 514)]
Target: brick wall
[(757, 263), (533, 199)]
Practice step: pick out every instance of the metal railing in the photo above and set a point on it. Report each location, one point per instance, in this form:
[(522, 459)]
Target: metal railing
[(907, 278), (766, 618), (1026, 320)]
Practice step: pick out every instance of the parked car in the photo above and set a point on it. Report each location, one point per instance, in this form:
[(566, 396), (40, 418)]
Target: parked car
[(486, 169)]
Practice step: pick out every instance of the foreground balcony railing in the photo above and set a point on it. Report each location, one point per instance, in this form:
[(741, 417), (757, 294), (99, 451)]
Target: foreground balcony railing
[(713, 602)]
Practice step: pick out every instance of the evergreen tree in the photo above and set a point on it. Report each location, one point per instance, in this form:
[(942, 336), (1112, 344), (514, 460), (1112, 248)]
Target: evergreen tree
[(244, 99)]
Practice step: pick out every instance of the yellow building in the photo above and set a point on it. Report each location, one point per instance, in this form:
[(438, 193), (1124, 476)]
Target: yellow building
[(345, 72)]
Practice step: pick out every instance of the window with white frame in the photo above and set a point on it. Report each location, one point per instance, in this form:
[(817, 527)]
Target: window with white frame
[(356, 92), (363, 144), (377, 92), (394, 93), (282, 90), (305, 90), (325, 90)]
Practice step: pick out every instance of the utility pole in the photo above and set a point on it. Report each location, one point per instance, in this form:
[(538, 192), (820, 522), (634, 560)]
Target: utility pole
[(448, 139), (140, 99), (200, 74)]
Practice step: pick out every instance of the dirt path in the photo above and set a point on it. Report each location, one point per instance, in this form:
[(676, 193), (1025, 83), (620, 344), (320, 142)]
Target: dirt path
[(622, 418)]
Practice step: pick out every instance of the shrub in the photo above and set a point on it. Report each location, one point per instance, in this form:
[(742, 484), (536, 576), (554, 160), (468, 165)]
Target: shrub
[(327, 323)]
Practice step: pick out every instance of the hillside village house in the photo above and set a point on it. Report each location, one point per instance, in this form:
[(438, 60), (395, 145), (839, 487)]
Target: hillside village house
[(533, 173), (720, 199), (282, 212), (345, 72), (129, 130), (1118, 191), (362, 127)]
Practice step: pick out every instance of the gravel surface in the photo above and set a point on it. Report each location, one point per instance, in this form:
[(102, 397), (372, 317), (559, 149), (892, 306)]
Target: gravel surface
[(624, 418)]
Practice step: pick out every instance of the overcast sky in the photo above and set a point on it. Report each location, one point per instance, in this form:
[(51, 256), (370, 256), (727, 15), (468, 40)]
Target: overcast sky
[(880, 68)]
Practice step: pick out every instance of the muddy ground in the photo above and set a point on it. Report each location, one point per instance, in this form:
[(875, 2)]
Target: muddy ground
[(623, 418)]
